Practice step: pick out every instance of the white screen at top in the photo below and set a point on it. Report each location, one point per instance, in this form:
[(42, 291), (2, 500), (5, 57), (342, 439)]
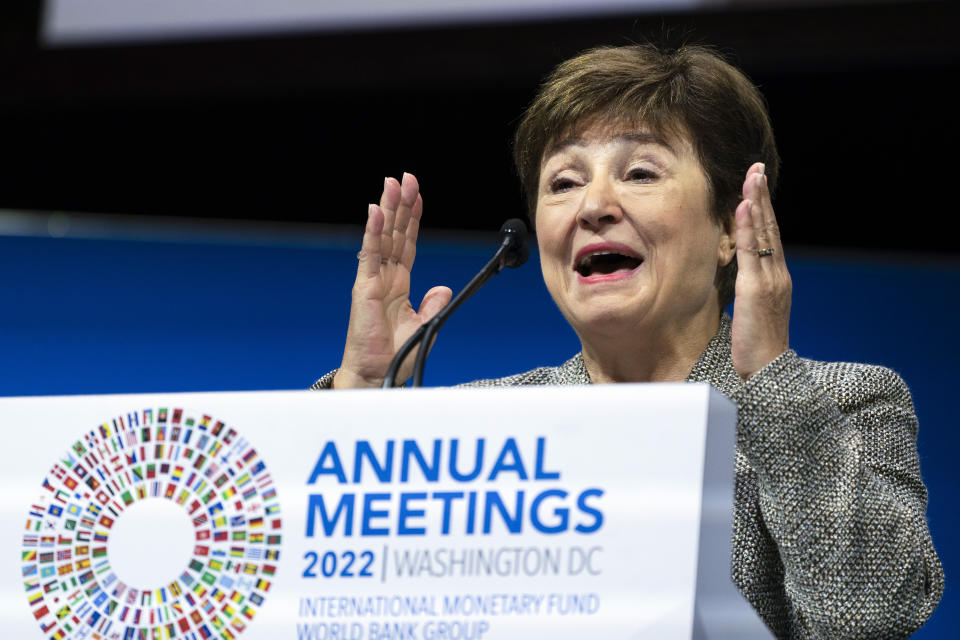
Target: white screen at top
[(68, 22)]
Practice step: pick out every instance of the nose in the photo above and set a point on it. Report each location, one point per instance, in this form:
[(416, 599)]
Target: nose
[(600, 204)]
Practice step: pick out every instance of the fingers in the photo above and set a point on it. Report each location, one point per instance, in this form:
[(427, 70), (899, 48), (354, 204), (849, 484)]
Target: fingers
[(410, 237), (402, 207), (433, 301), (760, 217), (748, 262), (370, 251), (389, 203), (411, 206)]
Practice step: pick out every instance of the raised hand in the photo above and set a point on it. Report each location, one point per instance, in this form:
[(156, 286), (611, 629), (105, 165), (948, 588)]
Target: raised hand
[(761, 308), (381, 316)]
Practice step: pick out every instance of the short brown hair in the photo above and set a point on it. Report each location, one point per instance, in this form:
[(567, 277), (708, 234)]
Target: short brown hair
[(688, 91)]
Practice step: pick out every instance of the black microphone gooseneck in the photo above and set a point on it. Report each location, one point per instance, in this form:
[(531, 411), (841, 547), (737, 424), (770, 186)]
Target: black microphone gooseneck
[(513, 252)]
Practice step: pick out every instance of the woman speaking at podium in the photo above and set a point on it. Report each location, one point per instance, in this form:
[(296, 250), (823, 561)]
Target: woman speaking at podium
[(649, 176)]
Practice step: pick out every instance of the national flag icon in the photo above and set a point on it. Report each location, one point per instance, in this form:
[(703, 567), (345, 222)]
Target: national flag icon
[(273, 539), (268, 570), (256, 538), (30, 540), (35, 598), (100, 536), (273, 554), (247, 612), (31, 556), (237, 597), (55, 510), (42, 611), (47, 541), (220, 536), (250, 569), (235, 552)]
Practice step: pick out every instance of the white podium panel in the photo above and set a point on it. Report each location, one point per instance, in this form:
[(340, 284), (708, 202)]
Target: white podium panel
[(561, 512)]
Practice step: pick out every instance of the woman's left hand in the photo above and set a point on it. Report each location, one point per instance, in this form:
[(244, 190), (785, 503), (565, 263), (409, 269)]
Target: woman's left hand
[(761, 308)]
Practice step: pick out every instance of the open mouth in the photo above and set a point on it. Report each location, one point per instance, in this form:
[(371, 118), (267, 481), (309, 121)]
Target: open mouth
[(606, 263)]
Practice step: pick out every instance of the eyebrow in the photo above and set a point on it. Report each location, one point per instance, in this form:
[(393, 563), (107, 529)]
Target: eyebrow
[(641, 138)]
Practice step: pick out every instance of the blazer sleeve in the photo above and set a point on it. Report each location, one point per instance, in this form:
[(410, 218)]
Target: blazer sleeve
[(834, 449), (326, 382)]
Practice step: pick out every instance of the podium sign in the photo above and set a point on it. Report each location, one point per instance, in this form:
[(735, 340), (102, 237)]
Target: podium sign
[(561, 512)]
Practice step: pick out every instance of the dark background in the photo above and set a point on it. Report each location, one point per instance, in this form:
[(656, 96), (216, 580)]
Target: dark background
[(304, 127)]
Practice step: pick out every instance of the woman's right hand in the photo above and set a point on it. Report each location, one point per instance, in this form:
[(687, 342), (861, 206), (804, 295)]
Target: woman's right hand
[(381, 316)]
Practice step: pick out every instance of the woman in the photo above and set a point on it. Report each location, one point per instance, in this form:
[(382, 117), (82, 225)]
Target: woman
[(649, 177)]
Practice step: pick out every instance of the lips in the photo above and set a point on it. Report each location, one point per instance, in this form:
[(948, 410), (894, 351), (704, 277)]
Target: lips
[(606, 261)]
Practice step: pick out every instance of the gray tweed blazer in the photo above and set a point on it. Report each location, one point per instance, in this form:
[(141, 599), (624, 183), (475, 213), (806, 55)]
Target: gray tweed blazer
[(830, 537)]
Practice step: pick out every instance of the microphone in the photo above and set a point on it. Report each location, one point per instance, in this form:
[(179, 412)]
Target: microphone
[(512, 252), (513, 233)]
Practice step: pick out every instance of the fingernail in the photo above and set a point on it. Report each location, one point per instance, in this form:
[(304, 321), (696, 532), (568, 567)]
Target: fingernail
[(760, 181), (370, 209), (763, 169), (385, 181), (403, 180)]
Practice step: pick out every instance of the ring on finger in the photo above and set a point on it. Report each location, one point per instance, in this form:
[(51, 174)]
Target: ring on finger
[(360, 257), (763, 253)]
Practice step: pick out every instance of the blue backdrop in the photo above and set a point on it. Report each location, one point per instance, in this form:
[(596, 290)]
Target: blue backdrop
[(125, 315)]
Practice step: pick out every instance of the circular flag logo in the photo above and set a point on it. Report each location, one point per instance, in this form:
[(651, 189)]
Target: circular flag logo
[(156, 524)]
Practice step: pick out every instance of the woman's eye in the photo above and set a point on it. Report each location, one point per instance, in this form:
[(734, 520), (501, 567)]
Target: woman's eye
[(641, 175), (558, 185)]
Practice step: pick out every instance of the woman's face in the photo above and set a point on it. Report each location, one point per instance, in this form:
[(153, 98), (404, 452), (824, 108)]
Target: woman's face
[(625, 233)]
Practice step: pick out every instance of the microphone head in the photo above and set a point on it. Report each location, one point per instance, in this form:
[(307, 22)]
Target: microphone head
[(513, 233)]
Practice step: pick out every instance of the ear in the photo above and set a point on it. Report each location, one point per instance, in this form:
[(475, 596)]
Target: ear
[(727, 247)]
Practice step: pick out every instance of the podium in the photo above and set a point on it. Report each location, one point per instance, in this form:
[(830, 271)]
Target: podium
[(560, 512)]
